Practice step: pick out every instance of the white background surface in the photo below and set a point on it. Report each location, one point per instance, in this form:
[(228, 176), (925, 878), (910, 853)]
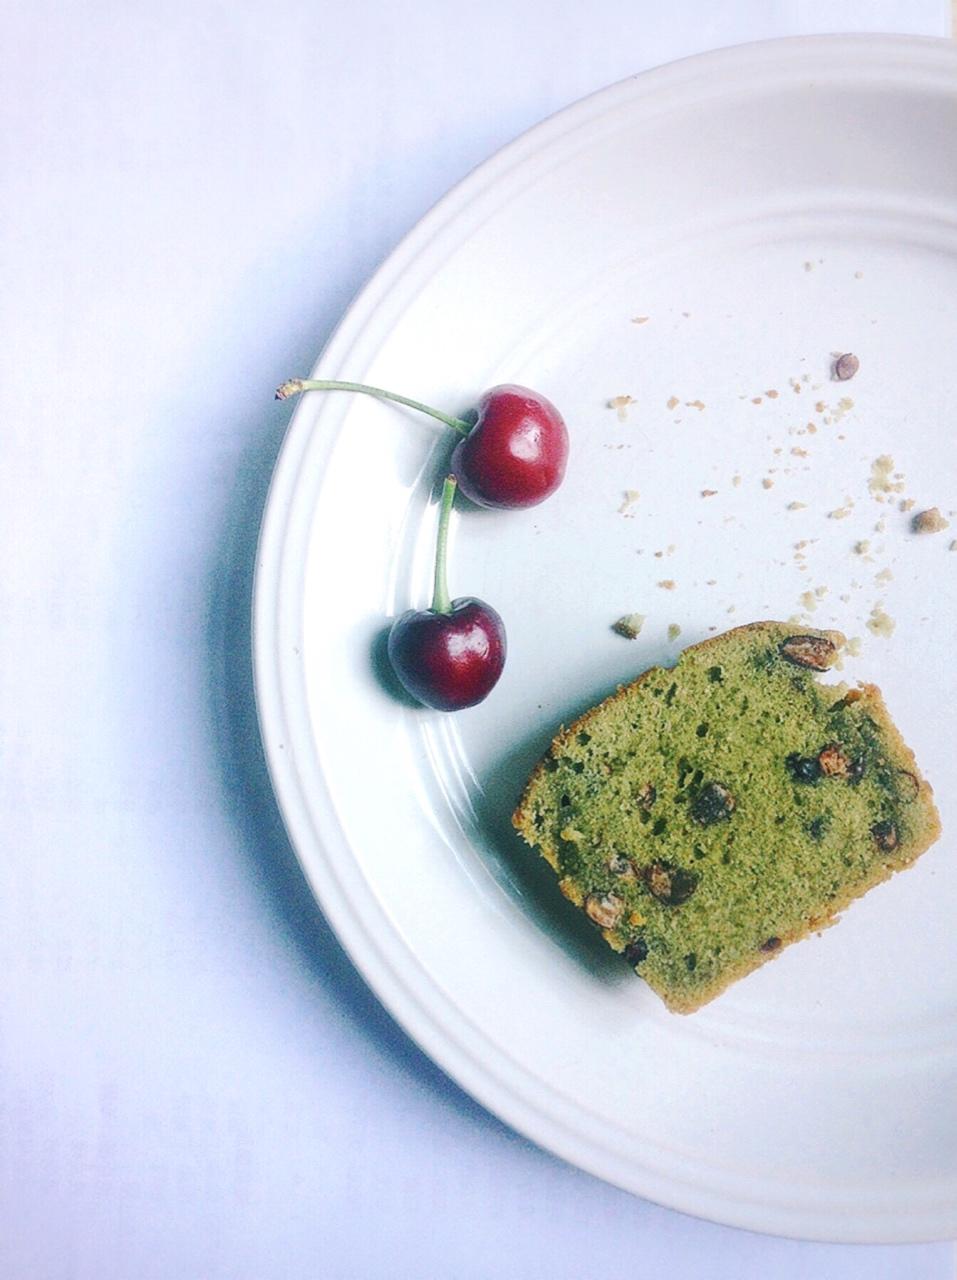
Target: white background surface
[(193, 1081)]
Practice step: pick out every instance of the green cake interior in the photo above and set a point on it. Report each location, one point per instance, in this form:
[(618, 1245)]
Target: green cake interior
[(708, 814)]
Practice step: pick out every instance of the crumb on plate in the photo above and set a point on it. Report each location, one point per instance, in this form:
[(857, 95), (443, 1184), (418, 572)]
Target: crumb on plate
[(841, 513), (845, 367), (881, 623), (629, 625), (930, 521), (620, 405), (880, 481)]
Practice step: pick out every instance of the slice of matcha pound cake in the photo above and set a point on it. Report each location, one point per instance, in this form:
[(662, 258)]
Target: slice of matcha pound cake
[(706, 816)]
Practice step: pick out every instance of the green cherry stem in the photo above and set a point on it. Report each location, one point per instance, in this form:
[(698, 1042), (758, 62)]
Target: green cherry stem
[(440, 586), (295, 385)]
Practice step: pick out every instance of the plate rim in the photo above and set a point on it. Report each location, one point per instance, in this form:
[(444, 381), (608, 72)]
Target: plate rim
[(310, 820)]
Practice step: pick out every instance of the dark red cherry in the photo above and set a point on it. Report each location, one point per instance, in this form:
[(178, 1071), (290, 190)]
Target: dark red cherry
[(515, 454), (514, 448), (449, 660), (449, 656)]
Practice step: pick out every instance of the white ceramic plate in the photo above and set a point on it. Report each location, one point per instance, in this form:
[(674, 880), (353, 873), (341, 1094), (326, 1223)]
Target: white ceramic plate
[(763, 207)]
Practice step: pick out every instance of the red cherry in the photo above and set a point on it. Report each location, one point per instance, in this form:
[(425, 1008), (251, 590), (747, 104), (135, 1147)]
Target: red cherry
[(449, 660), (449, 656), (515, 455), (514, 450)]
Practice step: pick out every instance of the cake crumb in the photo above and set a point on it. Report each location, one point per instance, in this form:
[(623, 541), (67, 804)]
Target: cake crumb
[(640, 319), (853, 646), (736, 481), (629, 625), (771, 395), (861, 548), (674, 631), (673, 402), (694, 404), (667, 584), (820, 407), (880, 481), (708, 493), (809, 600), (631, 497), (767, 483), (798, 452), (930, 521), (845, 367), (812, 428), (953, 546), (906, 504), (881, 623), (796, 506), (885, 575), (820, 592), (858, 275), (841, 513), (620, 405)]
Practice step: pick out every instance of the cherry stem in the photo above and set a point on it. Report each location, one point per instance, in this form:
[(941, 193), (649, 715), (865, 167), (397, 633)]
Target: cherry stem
[(295, 385), (440, 586)]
